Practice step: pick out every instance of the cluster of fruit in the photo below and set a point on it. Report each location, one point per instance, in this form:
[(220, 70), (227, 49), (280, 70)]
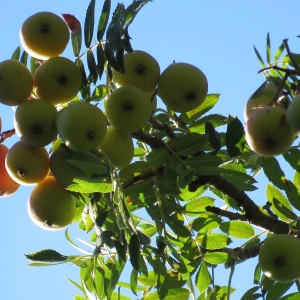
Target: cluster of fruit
[(47, 109), (272, 120)]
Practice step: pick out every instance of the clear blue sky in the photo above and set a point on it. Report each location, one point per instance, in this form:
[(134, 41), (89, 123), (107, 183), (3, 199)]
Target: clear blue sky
[(216, 36)]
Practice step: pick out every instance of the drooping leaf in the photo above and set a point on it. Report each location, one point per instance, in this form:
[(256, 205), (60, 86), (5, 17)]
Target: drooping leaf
[(234, 133), (134, 251), (203, 278), (273, 171), (238, 229), (46, 255), (103, 21), (89, 23), (16, 54), (279, 204), (293, 158)]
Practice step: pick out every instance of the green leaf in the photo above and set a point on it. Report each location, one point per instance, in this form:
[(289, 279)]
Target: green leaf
[(101, 60), (214, 138), (194, 207), (46, 255), (216, 258), (90, 185), (234, 133), (188, 144), (134, 251), (262, 64), (273, 171), (278, 289), (103, 21), (293, 193), (132, 10), (268, 48), (279, 204), (293, 158), (16, 54), (205, 164), (206, 222), (251, 294), (292, 296), (238, 229), (178, 294), (89, 23), (212, 241), (91, 62), (279, 52), (209, 102), (99, 93), (203, 278), (133, 281), (215, 119)]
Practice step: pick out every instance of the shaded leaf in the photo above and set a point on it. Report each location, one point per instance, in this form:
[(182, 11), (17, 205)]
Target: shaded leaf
[(251, 294), (279, 204), (213, 136), (234, 133), (16, 54), (262, 64), (273, 171), (89, 23), (134, 251), (46, 255), (103, 21), (278, 289), (91, 62), (293, 158)]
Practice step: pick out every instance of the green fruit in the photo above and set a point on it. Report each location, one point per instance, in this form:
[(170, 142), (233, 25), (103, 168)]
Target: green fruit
[(262, 97), (16, 82), (81, 126), (128, 108), (66, 164), (268, 132), (50, 205), (118, 147), (279, 257), (182, 87), (35, 122), (293, 114), (44, 35), (57, 80), (140, 70), (27, 164)]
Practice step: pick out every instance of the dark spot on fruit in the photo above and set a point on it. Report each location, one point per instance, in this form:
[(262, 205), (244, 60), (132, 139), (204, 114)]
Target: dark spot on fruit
[(91, 135), (21, 173), (140, 69), (190, 96), (62, 79), (269, 143), (37, 129), (45, 28), (279, 261), (128, 106), (48, 223)]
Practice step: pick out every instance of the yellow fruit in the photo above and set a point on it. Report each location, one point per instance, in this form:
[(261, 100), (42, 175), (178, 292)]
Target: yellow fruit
[(57, 80), (44, 35), (140, 70), (118, 147), (50, 205), (182, 87), (15, 82), (268, 132), (27, 164)]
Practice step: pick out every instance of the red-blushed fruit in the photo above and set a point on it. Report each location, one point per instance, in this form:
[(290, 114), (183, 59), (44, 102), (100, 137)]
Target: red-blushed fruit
[(27, 164), (44, 35), (268, 132), (16, 82), (57, 80), (7, 185), (50, 205)]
